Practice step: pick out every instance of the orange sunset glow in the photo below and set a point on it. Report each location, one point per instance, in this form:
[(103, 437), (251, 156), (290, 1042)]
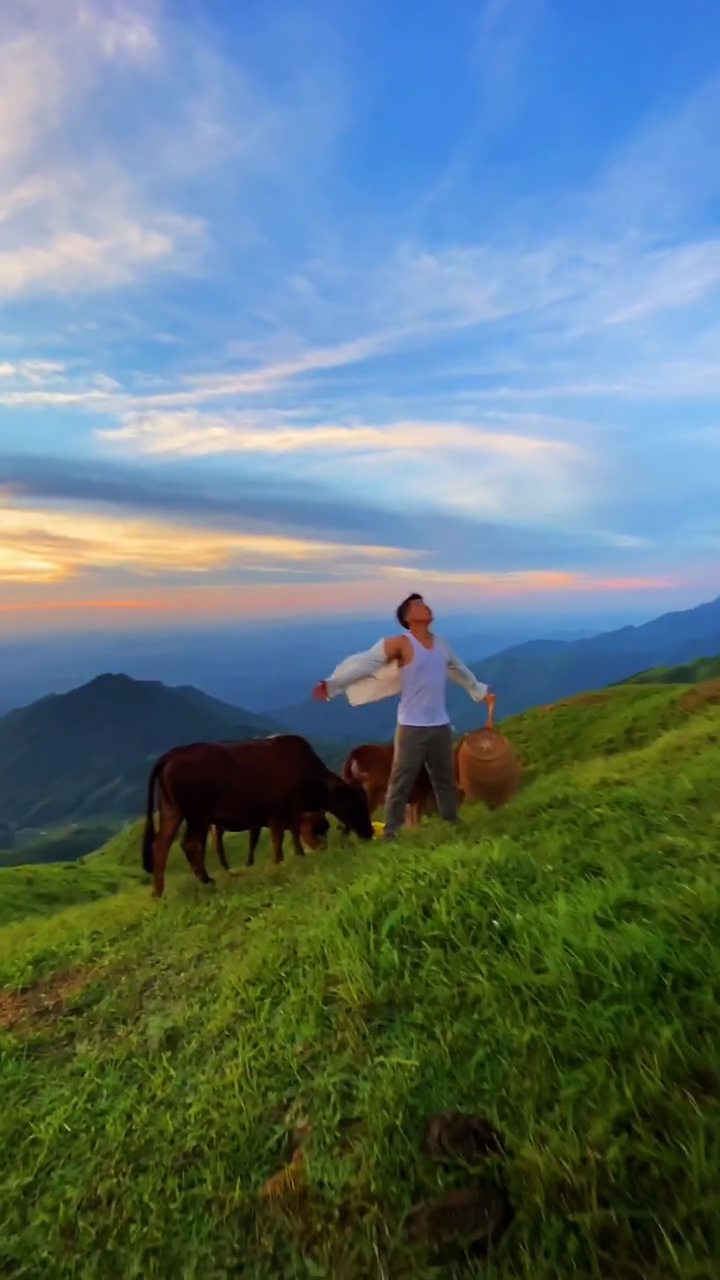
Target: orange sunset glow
[(305, 599)]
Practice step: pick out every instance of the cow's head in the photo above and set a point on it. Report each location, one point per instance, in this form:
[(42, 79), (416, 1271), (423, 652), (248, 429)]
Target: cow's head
[(373, 785), (348, 803), (314, 830)]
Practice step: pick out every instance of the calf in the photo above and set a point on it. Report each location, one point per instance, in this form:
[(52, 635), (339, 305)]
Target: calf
[(370, 765), (314, 828)]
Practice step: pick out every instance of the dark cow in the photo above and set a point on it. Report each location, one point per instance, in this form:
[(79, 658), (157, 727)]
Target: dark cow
[(314, 829), (265, 782), (370, 766)]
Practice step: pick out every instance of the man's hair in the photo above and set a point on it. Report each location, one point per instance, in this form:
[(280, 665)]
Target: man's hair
[(401, 611)]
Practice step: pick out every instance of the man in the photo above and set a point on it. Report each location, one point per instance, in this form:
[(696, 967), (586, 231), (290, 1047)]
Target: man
[(417, 665)]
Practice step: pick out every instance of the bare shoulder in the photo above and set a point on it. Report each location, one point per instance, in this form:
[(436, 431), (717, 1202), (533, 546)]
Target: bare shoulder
[(397, 648)]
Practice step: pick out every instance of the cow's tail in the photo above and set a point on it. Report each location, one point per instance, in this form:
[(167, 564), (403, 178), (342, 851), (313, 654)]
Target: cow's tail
[(149, 831)]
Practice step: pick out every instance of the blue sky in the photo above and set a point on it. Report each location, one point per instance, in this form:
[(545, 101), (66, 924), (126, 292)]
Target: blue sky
[(307, 305)]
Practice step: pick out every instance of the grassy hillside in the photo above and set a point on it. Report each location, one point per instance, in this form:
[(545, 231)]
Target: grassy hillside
[(701, 669), (555, 968)]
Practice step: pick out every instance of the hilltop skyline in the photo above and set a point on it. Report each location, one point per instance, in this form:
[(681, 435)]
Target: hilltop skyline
[(303, 308)]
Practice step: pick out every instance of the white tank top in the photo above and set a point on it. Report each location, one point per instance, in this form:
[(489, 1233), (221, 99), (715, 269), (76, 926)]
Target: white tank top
[(422, 683)]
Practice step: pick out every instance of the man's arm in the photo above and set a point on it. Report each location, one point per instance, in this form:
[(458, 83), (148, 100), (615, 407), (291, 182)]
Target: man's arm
[(359, 667), (462, 675)]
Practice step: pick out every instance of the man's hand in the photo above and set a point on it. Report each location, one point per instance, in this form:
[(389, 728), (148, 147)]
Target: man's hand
[(320, 693)]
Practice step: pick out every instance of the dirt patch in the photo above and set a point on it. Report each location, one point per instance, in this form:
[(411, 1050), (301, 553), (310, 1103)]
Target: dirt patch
[(703, 694), (41, 1000)]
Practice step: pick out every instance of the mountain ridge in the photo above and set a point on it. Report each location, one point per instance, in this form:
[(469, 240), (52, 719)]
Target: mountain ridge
[(82, 754)]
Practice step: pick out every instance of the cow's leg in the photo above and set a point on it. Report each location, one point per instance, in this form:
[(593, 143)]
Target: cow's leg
[(253, 838), (277, 831), (170, 823), (194, 849), (220, 848), (295, 836)]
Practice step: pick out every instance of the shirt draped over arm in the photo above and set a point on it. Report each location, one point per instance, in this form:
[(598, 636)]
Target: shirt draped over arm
[(360, 666), (462, 675)]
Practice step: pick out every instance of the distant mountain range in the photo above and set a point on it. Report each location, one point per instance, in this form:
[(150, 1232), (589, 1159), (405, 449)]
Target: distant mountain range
[(537, 671), (82, 755), (258, 666)]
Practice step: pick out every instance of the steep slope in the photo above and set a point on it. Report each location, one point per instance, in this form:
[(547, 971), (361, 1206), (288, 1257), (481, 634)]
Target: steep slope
[(555, 969), (85, 753), (604, 723)]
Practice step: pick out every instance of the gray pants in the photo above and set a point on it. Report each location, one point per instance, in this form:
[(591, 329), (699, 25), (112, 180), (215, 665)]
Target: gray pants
[(414, 747)]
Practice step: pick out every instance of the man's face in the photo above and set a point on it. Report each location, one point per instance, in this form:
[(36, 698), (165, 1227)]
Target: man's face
[(419, 613)]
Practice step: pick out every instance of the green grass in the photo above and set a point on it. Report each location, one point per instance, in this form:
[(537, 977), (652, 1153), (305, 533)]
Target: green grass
[(604, 723), (556, 968), (686, 673)]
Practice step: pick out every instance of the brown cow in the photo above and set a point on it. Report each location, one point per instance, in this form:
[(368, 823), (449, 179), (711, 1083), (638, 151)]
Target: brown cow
[(370, 766), (264, 782), (314, 828)]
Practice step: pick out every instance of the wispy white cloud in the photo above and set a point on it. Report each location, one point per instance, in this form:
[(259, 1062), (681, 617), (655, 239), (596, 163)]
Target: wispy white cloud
[(32, 370), (194, 433), (86, 205), (507, 467), (672, 278), (663, 177), (221, 386), (506, 56), (568, 287), (109, 255), (71, 216), (552, 288), (49, 383)]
